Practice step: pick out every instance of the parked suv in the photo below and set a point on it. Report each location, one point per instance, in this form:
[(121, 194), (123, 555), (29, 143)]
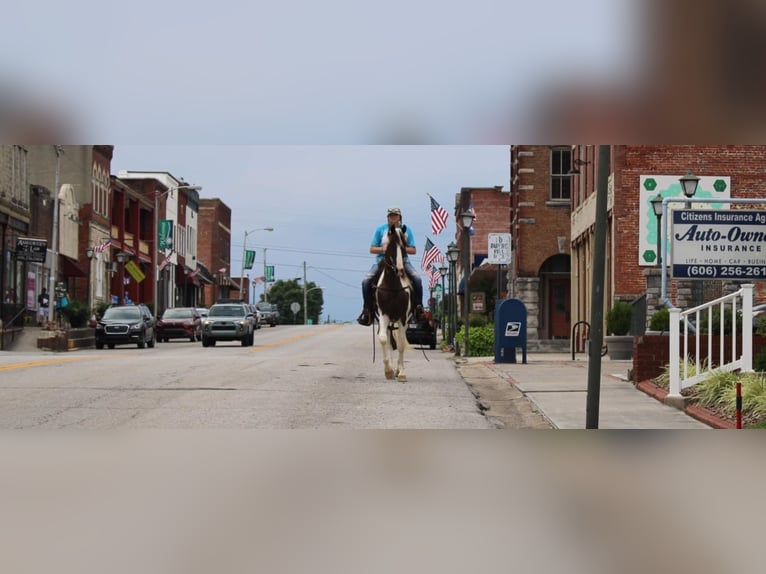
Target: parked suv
[(424, 332), (269, 311), (228, 322), (125, 324)]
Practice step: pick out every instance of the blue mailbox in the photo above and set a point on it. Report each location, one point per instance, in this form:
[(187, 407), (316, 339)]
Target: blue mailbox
[(510, 331)]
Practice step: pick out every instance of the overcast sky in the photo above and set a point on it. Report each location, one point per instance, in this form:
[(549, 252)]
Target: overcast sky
[(324, 202), (301, 72)]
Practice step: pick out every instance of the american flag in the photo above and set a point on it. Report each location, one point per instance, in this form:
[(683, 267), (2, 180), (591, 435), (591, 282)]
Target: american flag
[(260, 279), (222, 270), (166, 261), (103, 247), (434, 278), (432, 255), (439, 217)]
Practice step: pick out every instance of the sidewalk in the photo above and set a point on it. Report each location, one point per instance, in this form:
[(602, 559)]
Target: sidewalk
[(557, 386)]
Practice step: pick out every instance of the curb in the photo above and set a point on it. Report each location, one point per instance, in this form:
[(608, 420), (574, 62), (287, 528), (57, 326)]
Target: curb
[(695, 411)]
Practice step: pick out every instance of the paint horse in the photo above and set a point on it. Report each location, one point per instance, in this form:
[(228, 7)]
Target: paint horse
[(393, 295)]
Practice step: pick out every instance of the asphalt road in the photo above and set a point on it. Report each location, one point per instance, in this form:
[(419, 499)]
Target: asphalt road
[(305, 377)]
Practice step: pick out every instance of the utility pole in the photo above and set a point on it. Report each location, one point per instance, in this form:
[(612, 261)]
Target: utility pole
[(265, 283), (305, 292), (597, 297)]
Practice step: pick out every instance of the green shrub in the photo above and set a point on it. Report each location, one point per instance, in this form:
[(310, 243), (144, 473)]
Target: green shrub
[(477, 320), (481, 341), (716, 322), (759, 361), (759, 325), (77, 313), (618, 318), (660, 321)]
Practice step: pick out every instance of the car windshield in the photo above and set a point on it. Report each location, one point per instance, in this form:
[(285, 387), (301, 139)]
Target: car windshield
[(122, 313), (226, 311), (177, 314)]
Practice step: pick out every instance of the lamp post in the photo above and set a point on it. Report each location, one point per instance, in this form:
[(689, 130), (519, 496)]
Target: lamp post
[(657, 208), (452, 255), (157, 196), (443, 271), (689, 184), (244, 253), (122, 258), (55, 234), (466, 218), (89, 254)]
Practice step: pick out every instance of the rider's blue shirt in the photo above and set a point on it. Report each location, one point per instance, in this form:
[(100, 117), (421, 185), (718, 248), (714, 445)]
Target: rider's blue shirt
[(380, 239)]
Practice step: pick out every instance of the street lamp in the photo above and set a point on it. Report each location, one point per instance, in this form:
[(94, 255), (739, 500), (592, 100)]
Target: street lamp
[(689, 184), (466, 218), (443, 271), (122, 258), (157, 196), (452, 256), (55, 233), (89, 254), (244, 253), (656, 202)]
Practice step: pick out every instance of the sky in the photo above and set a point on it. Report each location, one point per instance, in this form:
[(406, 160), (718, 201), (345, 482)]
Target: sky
[(324, 202), (300, 72)]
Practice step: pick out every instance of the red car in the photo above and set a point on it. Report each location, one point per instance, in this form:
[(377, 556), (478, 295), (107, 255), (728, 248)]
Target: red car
[(180, 323)]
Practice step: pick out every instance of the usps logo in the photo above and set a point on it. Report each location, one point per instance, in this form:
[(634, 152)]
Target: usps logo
[(512, 329)]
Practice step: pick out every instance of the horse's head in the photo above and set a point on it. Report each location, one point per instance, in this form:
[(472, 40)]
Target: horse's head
[(396, 249)]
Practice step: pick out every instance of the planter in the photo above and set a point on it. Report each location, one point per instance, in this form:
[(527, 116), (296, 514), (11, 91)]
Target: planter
[(67, 340), (619, 347)]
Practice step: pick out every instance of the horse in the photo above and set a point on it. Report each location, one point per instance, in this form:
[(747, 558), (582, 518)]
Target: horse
[(393, 295)]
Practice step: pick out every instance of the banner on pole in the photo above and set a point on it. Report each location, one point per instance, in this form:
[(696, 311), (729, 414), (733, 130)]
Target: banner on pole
[(166, 234), (249, 258)]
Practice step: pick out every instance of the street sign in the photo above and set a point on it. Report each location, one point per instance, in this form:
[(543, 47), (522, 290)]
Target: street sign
[(499, 248), (269, 273), (721, 244), (32, 250), (295, 306)]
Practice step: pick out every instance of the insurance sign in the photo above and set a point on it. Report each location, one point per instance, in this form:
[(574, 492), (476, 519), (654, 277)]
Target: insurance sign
[(719, 244)]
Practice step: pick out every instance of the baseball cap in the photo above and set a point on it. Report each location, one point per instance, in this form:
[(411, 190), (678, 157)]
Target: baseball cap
[(394, 211)]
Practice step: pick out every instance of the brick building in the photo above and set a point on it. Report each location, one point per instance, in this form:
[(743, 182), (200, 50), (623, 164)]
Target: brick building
[(638, 173), (540, 228), (215, 249)]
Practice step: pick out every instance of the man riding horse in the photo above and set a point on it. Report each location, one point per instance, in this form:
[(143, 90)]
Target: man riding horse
[(378, 248)]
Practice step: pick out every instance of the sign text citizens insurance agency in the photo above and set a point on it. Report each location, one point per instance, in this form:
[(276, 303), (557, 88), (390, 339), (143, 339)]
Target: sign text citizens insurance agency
[(727, 244)]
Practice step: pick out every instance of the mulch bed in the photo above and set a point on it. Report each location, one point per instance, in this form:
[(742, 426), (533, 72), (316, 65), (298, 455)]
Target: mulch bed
[(718, 419)]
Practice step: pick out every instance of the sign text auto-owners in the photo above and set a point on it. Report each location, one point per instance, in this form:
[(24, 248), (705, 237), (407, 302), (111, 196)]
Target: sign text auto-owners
[(719, 244)]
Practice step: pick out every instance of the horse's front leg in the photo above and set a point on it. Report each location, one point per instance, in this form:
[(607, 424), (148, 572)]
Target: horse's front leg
[(401, 343), (383, 338)]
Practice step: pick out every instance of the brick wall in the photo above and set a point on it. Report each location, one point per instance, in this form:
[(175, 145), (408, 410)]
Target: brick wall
[(744, 164), (537, 223), (651, 353)]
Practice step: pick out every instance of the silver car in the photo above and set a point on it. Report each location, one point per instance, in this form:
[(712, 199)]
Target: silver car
[(228, 322)]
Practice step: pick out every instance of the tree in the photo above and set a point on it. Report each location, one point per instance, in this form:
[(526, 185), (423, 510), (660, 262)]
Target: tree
[(285, 293)]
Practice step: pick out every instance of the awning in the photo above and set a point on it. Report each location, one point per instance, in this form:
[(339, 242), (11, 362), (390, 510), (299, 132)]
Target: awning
[(204, 275), (70, 268)]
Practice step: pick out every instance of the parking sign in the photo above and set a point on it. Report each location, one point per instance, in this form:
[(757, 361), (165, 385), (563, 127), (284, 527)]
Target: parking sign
[(499, 248)]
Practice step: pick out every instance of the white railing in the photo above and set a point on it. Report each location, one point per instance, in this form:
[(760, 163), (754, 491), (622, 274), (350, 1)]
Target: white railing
[(741, 358)]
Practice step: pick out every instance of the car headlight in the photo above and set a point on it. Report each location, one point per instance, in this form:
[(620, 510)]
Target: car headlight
[(99, 326), (136, 327)]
